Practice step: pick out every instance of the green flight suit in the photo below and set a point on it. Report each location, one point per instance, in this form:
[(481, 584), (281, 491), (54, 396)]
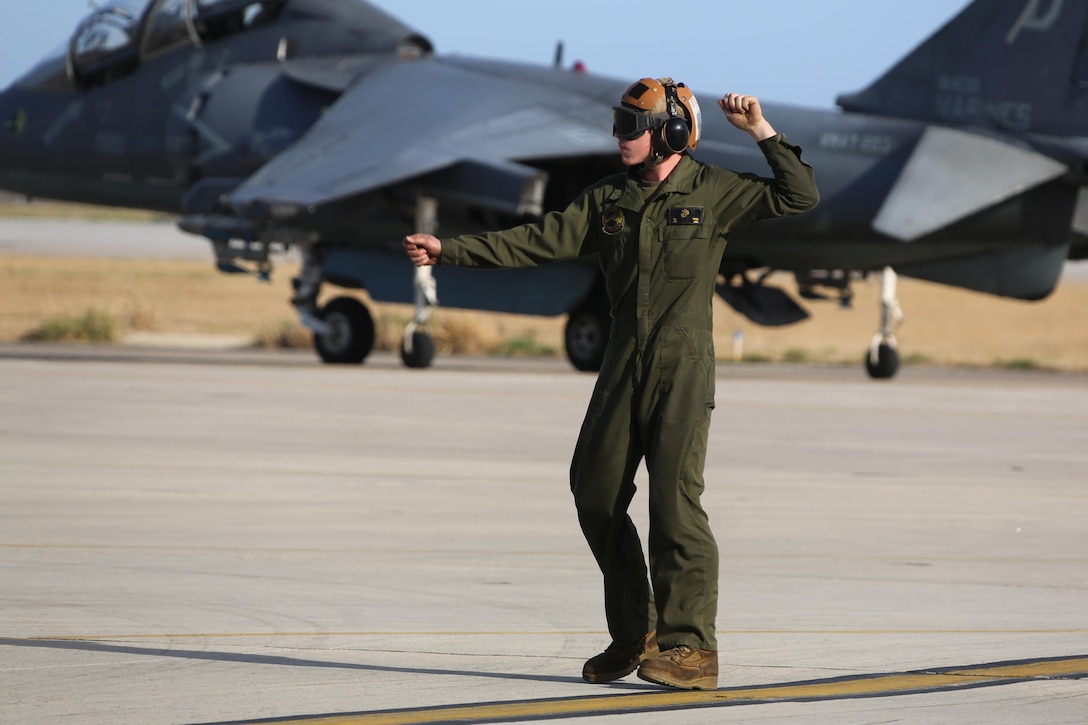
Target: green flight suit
[(660, 252)]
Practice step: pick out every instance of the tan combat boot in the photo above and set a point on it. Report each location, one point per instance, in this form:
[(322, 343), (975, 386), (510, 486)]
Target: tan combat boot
[(684, 667), (619, 661)]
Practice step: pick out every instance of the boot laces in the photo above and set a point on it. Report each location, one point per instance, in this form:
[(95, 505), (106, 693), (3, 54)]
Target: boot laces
[(678, 653)]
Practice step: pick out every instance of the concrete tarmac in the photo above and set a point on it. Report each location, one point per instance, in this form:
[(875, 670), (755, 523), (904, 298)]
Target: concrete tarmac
[(100, 238), (198, 537)]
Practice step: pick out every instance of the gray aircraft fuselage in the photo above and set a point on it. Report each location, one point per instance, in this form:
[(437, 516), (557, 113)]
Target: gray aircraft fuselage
[(175, 128), (126, 144)]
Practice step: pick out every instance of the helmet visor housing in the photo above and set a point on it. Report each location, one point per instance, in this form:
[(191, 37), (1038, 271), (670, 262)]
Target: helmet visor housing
[(629, 124)]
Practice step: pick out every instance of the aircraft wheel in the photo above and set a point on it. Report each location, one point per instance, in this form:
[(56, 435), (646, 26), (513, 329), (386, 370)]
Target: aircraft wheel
[(586, 336), (351, 332), (886, 364), (422, 353)]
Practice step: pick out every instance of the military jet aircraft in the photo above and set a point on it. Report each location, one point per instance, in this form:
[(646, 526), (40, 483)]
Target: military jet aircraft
[(330, 127)]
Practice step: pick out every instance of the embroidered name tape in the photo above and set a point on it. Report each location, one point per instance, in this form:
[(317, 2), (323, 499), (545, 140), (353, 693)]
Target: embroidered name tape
[(685, 215)]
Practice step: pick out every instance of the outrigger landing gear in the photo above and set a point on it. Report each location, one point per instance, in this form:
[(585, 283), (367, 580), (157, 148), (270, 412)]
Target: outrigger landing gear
[(417, 348), (882, 359)]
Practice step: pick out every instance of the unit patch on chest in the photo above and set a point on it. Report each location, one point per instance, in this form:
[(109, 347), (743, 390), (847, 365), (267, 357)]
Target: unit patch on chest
[(685, 215), (612, 220)]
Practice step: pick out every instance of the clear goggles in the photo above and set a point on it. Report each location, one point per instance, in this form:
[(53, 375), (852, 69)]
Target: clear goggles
[(629, 124)]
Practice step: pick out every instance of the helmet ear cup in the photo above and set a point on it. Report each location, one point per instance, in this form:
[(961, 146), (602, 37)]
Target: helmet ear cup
[(675, 134)]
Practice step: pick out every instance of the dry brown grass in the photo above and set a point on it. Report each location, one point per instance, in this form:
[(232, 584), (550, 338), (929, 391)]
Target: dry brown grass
[(192, 297), (175, 296), (943, 325)]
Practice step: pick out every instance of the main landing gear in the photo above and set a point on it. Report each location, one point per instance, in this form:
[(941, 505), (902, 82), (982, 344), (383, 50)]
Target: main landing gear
[(882, 359), (349, 331), (344, 328)]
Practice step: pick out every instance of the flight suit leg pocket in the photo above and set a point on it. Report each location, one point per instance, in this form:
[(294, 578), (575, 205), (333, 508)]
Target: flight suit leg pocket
[(689, 394)]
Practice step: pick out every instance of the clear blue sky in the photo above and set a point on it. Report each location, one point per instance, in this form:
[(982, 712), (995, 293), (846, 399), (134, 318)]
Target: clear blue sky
[(803, 52)]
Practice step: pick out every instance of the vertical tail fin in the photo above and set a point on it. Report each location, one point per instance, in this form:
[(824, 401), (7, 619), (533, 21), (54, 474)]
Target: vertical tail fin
[(1016, 66)]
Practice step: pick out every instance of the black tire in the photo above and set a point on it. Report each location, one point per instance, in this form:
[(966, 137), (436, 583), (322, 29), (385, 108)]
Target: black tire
[(351, 337), (886, 365), (422, 354), (586, 336)]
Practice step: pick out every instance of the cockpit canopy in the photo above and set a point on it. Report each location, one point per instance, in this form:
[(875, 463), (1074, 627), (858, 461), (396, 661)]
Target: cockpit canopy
[(107, 38), (120, 35), (114, 39)]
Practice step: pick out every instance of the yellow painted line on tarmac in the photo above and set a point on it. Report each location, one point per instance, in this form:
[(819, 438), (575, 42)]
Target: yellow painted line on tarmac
[(1043, 669), (881, 685)]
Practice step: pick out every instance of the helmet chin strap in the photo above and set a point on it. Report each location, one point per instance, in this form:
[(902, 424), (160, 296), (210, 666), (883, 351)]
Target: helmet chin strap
[(658, 153), (652, 161)]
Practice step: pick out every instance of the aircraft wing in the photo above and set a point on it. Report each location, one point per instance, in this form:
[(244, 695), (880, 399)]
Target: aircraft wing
[(462, 123)]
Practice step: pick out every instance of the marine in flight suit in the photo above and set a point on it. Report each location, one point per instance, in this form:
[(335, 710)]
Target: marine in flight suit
[(659, 231)]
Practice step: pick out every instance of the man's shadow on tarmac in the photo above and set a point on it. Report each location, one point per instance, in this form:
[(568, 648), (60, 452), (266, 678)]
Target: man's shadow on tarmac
[(256, 659), (631, 697)]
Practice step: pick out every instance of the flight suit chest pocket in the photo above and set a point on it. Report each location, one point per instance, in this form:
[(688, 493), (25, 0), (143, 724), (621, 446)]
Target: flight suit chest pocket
[(684, 242)]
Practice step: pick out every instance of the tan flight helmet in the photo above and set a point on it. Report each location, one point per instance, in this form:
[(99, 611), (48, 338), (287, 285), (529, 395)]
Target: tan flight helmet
[(666, 108)]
